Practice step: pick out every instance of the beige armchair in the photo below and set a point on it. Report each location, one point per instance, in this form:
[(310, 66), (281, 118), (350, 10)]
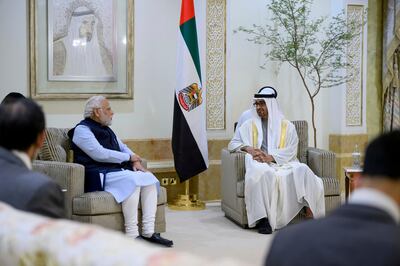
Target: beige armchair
[(321, 162), (95, 207)]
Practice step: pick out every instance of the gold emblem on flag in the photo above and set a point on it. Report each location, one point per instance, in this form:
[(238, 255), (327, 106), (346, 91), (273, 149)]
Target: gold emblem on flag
[(190, 97)]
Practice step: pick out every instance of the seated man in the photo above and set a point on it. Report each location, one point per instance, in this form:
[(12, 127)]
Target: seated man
[(22, 125), (277, 185), (111, 166), (365, 231)]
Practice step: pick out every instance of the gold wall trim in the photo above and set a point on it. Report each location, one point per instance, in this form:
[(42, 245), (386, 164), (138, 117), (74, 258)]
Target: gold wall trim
[(354, 87), (374, 68), (343, 146), (344, 143), (161, 149), (216, 63)]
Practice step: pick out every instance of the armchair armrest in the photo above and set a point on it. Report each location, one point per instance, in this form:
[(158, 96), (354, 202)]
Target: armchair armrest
[(70, 177), (321, 162), (232, 172), (232, 164)]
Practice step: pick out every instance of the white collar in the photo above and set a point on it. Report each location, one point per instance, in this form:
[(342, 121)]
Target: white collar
[(24, 158), (375, 198)]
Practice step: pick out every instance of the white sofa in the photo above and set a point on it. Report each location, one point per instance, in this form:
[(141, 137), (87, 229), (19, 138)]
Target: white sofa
[(30, 239)]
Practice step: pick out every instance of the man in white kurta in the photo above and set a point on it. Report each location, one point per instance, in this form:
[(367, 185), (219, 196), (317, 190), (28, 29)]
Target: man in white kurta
[(108, 160), (277, 185)]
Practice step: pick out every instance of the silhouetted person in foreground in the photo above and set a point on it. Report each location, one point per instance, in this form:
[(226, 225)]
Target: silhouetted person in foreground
[(363, 232), (22, 126), (12, 97)]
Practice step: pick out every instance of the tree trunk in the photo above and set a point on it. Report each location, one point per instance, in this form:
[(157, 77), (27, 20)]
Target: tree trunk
[(313, 121)]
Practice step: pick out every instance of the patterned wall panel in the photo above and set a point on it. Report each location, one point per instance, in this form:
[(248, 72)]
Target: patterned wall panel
[(216, 21), (355, 58)]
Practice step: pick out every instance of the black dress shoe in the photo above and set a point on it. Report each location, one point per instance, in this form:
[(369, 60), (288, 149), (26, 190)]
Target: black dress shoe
[(156, 238), (264, 227)]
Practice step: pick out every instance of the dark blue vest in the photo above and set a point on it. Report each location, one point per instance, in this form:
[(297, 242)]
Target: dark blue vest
[(107, 138)]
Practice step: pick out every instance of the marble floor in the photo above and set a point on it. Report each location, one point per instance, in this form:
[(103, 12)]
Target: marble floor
[(208, 233)]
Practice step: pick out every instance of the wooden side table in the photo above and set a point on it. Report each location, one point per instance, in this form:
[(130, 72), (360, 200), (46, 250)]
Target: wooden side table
[(350, 174)]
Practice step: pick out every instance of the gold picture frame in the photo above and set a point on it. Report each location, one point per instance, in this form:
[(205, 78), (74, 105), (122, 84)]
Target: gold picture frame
[(56, 63)]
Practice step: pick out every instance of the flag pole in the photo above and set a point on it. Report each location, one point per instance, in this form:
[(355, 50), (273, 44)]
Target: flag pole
[(189, 133), (187, 201), (187, 187)]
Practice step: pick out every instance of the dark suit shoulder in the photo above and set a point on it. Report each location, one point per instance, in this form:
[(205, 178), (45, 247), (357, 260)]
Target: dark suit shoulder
[(359, 235), (34, 180), (359, 211), (30, 191), (36, 177), (48, 200)]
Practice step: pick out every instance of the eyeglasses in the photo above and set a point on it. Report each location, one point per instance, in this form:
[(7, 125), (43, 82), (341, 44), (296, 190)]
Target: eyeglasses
[(259, 103)]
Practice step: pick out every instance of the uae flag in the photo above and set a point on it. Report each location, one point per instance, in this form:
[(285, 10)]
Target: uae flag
[(189, 138)]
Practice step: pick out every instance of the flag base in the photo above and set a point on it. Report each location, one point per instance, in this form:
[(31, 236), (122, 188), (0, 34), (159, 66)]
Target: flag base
[(187, 202)]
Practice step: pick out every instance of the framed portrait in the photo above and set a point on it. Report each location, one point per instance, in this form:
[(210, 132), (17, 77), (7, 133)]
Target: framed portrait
[(80, 48)]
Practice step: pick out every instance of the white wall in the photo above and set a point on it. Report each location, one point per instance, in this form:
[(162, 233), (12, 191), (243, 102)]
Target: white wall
[(13, 47), (149, 114)]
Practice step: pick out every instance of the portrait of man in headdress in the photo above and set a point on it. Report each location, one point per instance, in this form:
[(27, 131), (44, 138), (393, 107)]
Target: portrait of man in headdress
[(83, 35)]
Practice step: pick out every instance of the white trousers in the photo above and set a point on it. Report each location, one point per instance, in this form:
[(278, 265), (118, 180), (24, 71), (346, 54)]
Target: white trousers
[(148, 199)]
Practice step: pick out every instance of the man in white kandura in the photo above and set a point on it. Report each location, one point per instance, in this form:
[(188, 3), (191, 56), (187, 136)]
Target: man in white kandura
[(111, 166), (277, 185)]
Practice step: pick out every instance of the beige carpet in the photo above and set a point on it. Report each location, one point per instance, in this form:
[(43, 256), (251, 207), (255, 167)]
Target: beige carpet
[(208, 233)]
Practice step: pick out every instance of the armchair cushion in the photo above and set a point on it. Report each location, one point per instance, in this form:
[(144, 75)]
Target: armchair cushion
[(95, 203), (102, 202), (56, 145)]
